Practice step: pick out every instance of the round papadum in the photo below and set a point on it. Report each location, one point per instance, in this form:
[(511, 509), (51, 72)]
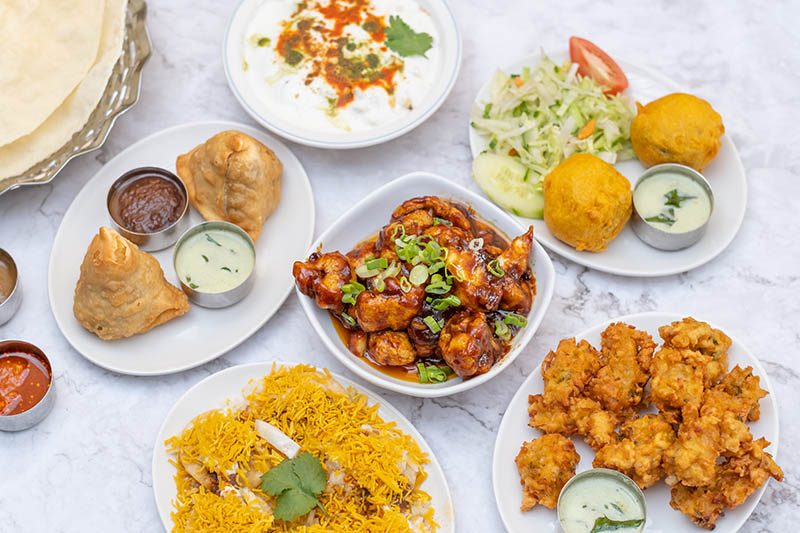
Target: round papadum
[(72, 114), (48, 46)]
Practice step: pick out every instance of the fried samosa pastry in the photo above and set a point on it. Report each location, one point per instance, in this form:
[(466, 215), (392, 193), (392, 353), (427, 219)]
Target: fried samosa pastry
[(233, 177), (122, 290)]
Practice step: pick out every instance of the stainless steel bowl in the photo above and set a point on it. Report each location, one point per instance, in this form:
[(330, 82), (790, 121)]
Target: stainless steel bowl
[(216, 299), (607, 473), (149, 242), (656, 237), (38, 412), (10, 305)]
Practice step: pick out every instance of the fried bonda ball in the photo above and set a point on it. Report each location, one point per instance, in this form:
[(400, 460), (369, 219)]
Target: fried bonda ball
[(545, 465), (639, 451), (586, 202), (677, 128)]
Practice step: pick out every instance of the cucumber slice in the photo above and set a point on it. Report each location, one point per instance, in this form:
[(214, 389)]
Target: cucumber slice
[(503, 179)]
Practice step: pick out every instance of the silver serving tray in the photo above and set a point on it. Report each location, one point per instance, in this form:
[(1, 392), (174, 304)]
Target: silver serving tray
[(121, 93)]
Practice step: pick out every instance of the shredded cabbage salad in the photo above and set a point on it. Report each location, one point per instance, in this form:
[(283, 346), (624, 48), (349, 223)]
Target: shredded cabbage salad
[(537, 118)]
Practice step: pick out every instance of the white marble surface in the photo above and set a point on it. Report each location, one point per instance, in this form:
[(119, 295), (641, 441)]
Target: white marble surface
[(87, 467)]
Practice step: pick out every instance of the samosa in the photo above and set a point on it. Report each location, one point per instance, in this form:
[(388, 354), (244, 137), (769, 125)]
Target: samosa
[(233, 177), (122, 290)]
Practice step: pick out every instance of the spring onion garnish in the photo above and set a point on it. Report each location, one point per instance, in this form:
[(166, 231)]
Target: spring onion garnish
[(435, 267), (365, 271), (351, 291), (513, 319), (209, 238), (476, 244), (405, 285), (434, 325), (380, 285), (440, 304), (350, 321), (401, 229), (418, 275), (437, 221), (374, 264), (438, 285), (450, 276), (501, 330), (433, 373), (495, 268)]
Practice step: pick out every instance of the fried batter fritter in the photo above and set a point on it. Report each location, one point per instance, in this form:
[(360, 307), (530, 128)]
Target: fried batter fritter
[(707, 347), (640, 450), (734, 481), (741, 384), (567, 370), (545, 465), (628, 353)]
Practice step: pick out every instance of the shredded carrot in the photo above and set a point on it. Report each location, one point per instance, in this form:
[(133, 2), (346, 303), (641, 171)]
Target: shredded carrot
[(513, 152), (587, 130), (519, 82)]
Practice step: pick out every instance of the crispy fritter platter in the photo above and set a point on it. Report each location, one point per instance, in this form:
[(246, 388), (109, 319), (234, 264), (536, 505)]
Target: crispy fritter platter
[(670, 401)]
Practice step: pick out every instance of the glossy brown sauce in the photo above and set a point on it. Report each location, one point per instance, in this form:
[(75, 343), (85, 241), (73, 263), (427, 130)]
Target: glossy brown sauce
[(492, 236), (149, 204), (8, 280), (24, 380)]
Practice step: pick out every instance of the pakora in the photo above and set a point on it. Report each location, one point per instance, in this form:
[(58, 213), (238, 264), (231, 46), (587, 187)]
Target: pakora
[(677, 128), (545, 465), (587, 202)]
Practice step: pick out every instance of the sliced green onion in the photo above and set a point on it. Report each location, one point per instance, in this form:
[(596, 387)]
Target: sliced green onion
[(447, 370), (362, 271), (476, 244), (380, 285), (436, 374), (423, 373), (373, 264), (433, 325), (437, 221), (348, 319), (417, 259), (495, 268), (440, 304), (516, 320), (351, 291), (405, 285), (457, 276), (501, 330), (418, 275), (401, 229), (435, 267)]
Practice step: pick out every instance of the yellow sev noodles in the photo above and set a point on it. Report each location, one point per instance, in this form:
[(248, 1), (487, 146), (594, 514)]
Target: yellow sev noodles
[(333, 424)]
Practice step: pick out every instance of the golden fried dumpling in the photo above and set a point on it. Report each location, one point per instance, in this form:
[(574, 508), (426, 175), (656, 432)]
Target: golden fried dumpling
[(586, 202), (677, 128), (122, 290), (233, 177)]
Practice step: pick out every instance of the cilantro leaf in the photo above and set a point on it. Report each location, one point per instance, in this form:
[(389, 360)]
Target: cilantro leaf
[(405, 41), (675, 198), (297, 483)]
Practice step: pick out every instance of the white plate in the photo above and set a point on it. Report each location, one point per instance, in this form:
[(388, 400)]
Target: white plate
[(201, 334), (450, 63), (627, 255), (213, 392), (372, 213), (661, 518)]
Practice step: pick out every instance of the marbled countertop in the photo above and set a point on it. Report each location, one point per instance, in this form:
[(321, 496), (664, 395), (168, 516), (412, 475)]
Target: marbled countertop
[(87, 466)]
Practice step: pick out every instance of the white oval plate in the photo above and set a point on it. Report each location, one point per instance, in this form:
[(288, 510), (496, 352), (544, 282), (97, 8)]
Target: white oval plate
[(371, 214), (201, 334), (661, 518), (627, 255), (215, 390), (297, 131)]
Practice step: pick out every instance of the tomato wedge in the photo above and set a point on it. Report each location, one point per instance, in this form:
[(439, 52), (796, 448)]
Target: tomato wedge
[(598, 65)]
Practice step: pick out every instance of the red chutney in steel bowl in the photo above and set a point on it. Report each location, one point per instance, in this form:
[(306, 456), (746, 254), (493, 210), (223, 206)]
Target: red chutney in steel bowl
[(24, 380)]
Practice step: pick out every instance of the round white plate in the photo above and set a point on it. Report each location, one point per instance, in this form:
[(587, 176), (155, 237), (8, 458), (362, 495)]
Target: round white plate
[(661, 518), (212, 393), (447, 72), (370, 214), (201, 334), (627, 255)]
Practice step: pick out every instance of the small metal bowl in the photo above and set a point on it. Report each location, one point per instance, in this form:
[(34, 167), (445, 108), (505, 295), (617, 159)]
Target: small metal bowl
[(619, 477), (10, 305), (164, 238), (656, 237), (216, 299), (38, 412)]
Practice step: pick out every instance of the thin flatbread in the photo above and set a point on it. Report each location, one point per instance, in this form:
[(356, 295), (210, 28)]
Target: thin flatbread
[(48, 46), (72, 114)]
